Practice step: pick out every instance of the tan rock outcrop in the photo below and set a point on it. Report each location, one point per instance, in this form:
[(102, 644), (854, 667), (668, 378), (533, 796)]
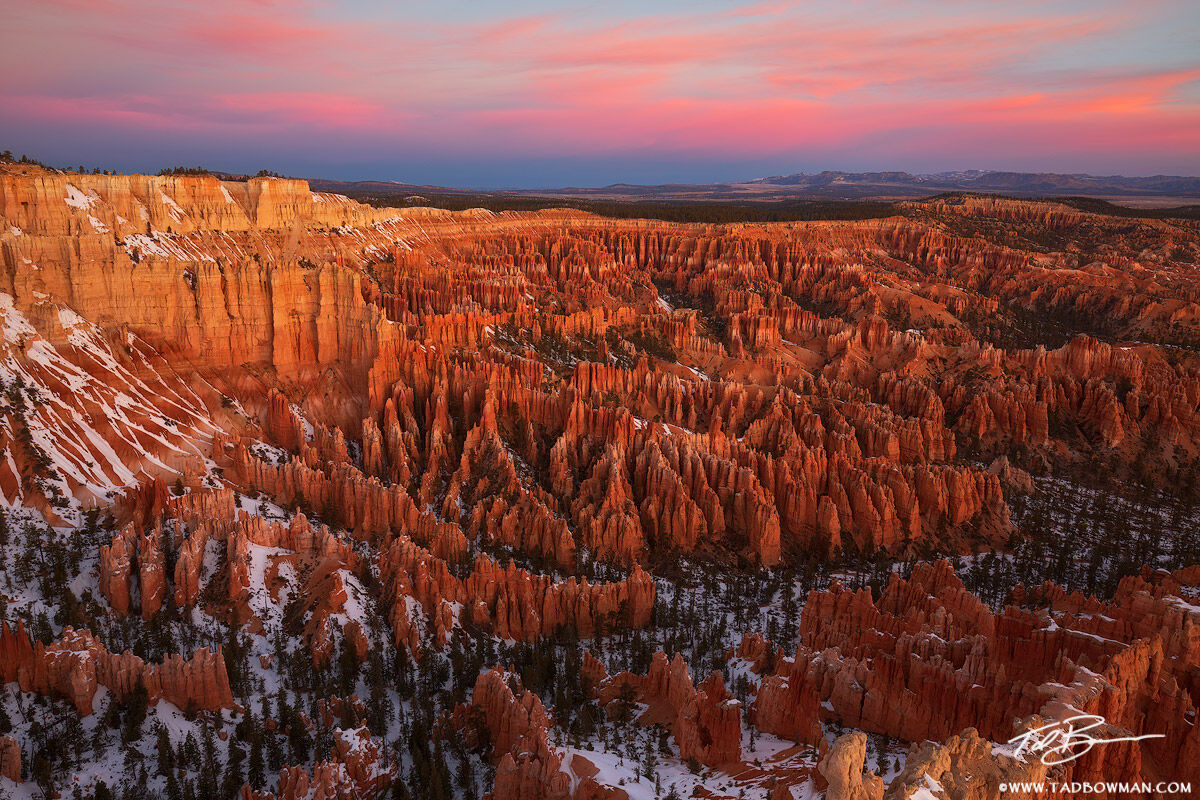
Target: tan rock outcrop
[(842, 769)]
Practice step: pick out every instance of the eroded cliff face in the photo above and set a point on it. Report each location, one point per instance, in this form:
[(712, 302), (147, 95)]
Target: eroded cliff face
[(670, 378), (368, 430)]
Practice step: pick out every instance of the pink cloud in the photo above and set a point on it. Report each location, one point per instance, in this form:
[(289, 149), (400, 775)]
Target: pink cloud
[(310, 108), (255, 109), (757, 79)]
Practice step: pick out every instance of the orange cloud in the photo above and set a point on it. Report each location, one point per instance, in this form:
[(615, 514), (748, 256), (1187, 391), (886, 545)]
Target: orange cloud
[(755, 79)]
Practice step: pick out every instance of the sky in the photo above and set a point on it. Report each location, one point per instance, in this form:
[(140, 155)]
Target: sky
[(537, 94)]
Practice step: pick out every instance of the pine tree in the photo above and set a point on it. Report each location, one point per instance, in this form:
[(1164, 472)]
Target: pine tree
[(255, 768), (233, 770), (42, 772), (400, 790), (465, 776), (135, 713), (166, 755), (173, 790), (298, 738)]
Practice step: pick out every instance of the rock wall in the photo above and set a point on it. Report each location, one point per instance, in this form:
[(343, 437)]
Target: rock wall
[(76, 665)]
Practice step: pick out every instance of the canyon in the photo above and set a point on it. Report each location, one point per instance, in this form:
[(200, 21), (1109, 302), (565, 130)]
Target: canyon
[(351, 495)]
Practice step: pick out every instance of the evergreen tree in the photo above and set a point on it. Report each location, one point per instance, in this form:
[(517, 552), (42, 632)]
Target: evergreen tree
[(233, 770), (166, 755), (135, 713)]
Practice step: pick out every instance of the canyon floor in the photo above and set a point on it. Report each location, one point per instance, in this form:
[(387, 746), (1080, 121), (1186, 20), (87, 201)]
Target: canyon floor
[(304, 498)]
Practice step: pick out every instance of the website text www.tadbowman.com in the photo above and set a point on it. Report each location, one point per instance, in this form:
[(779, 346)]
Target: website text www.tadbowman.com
[(1097, 787)]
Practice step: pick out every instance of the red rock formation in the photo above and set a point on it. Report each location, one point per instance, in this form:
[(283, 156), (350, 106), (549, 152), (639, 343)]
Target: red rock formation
[(474, 383), (514, 602), (928, 660), (76, 665), (513, 722), (358, 768), (533, 775), (787, 708), (304, 306), (202, 516), (282, 425), (605, 513), (527, 767), (705, 721), (708, 727), (116, 566)]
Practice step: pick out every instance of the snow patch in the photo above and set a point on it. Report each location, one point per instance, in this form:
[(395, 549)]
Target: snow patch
[(77, 199)]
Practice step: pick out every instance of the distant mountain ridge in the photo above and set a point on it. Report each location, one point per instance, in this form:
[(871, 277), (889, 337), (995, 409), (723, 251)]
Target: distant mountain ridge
[(374, 187), (829, 185), (995, 181)]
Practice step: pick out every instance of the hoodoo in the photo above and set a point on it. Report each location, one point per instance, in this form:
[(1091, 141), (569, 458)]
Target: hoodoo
[(306, 498)]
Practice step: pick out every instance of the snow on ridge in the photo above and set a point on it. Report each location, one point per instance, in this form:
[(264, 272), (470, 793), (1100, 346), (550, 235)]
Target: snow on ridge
[(172, 206), (166, 245), (14, 324), (84, 408), (77, 199)]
